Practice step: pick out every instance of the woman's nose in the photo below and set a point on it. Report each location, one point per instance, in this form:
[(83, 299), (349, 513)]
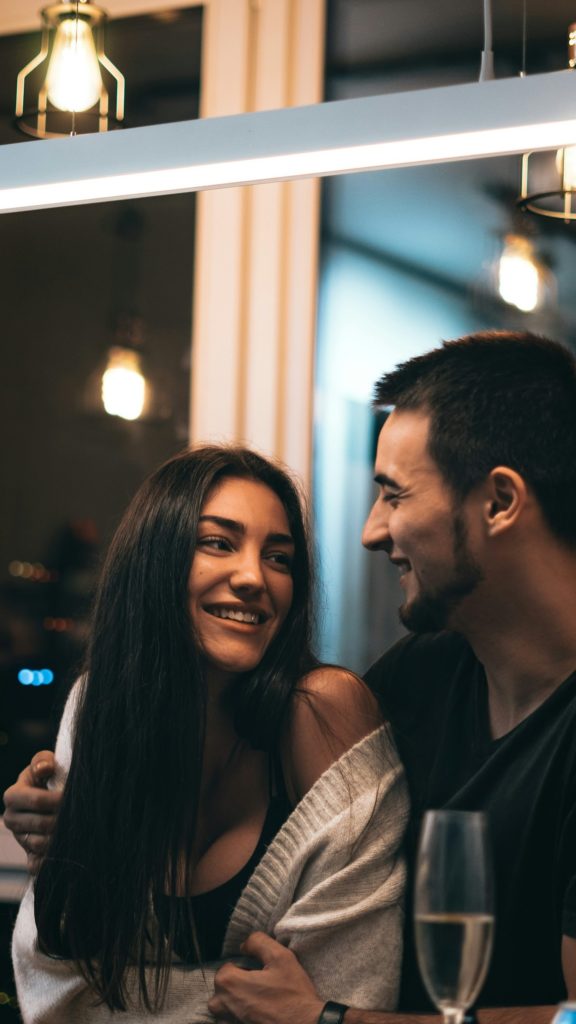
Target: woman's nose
[(247, 574)]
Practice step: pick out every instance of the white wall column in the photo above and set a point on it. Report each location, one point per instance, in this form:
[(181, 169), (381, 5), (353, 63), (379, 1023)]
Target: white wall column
[(255, 276)]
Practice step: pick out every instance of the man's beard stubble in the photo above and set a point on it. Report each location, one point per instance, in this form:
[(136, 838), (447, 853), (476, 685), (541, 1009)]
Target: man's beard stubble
[(429, 612)]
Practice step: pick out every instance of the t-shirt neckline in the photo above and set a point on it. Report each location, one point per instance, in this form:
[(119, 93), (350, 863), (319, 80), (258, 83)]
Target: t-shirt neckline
[(483, 742)]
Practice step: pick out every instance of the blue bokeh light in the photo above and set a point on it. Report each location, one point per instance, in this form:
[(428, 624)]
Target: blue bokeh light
[(35, 677)]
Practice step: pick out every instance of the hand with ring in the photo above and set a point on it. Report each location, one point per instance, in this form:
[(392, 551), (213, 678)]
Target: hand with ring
[(31, 809)]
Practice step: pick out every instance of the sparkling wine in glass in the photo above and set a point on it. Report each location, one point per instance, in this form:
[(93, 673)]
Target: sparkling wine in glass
[(453, 908)]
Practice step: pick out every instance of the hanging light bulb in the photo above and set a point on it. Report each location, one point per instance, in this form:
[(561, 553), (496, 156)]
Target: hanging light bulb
[(520, 274), (73, 80), (72, 51), (123, 384)]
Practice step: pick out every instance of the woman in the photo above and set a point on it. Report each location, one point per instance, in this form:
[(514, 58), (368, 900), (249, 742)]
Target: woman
[(201, 721)]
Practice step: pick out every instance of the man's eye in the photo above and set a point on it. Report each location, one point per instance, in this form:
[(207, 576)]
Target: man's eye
[(391, 499)]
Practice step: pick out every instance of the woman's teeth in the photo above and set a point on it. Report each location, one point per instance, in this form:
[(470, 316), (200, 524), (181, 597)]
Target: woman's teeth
[(238, 616)]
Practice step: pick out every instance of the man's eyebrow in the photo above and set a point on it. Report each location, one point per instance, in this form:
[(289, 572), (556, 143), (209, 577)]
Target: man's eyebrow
[(239, 528), (386, 481)]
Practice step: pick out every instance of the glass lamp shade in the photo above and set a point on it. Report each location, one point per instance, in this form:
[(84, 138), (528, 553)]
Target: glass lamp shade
[(73, 81)]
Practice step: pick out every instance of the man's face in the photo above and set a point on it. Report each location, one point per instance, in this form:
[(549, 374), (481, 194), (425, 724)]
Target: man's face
[(417, 522)]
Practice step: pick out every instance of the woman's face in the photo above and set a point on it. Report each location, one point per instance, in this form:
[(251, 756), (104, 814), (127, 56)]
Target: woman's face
[(240, 584)]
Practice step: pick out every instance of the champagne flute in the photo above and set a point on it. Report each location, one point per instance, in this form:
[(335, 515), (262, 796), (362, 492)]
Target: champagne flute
[(453, 908)]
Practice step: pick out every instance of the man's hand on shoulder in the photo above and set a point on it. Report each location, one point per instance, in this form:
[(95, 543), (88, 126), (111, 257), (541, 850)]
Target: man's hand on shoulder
[(31, 809), (280, 993)]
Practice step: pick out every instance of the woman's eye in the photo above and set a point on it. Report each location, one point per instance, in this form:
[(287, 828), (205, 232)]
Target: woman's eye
[(281, 559), (214, 543)]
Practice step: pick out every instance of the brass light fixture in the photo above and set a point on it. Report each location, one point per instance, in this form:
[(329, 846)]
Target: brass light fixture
[(73, 51), (548, 186)]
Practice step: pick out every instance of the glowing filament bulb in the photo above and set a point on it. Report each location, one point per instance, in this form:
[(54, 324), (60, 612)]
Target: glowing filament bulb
[(73, 81), (123, 385), (519, 274)]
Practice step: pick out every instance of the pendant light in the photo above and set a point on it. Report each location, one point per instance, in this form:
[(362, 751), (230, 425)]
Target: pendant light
[(520, 275), (123, 384), (548, 184), (125, 391), (71, 82)]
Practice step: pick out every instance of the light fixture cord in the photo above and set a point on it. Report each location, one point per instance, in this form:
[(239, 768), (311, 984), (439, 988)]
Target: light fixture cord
[(524, 37), (73, 130), (487, 61)]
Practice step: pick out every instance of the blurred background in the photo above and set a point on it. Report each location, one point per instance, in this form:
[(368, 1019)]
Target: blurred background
[(407, 258)]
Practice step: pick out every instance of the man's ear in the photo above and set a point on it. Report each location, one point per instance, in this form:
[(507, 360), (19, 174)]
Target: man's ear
[(504, 499)]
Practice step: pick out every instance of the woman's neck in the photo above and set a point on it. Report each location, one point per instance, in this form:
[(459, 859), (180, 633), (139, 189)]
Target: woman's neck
[(221, 739)]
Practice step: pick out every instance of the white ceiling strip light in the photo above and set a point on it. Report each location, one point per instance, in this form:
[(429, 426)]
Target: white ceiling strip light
[(398, 130)]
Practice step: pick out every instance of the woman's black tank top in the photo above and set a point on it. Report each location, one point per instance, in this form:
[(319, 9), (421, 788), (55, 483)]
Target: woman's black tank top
[(211, 910)]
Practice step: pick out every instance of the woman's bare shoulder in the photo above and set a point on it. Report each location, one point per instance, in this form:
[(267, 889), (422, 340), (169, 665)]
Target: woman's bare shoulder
[(332, 709), (337, 686)]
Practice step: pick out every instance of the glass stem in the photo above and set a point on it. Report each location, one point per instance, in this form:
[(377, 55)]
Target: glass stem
[(452, 1015)]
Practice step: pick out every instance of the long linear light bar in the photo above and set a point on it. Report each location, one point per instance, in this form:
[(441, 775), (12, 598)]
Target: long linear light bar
[(399, 130)]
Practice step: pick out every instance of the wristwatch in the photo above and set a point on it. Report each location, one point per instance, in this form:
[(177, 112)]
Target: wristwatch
[(332, 1013)]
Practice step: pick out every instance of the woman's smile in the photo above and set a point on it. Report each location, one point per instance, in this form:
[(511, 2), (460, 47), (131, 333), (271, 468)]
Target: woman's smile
[(238, 614)]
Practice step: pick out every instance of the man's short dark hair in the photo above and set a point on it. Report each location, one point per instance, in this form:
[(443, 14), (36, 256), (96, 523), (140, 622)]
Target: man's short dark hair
[(497, 399)]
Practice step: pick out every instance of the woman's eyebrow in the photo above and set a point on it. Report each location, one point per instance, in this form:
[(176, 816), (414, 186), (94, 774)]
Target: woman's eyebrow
[(280, 538), (228, 524), (232, 524)]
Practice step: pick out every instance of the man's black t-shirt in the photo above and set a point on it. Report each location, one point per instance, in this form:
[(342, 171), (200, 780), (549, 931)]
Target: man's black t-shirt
[(433, 691)]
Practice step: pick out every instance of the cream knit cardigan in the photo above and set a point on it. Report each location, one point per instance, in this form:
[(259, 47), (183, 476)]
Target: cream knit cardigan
[(330, 887)]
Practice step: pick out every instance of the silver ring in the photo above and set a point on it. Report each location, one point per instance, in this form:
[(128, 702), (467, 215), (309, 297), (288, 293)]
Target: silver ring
[(25, 841)]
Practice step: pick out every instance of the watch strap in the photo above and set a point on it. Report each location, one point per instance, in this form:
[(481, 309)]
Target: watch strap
[(332, 1013)]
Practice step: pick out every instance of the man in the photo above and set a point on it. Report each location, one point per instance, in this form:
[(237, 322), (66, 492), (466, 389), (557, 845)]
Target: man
[(476, 468)]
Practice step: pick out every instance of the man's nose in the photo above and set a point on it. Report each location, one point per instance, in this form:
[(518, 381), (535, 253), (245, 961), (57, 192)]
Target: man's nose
[(375, 535)]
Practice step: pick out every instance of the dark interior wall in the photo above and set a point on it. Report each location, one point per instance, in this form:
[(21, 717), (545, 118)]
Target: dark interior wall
[(66, 276)]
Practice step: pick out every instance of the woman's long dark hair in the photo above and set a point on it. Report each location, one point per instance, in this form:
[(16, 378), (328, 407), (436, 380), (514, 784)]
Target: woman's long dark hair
[(130, 804)]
